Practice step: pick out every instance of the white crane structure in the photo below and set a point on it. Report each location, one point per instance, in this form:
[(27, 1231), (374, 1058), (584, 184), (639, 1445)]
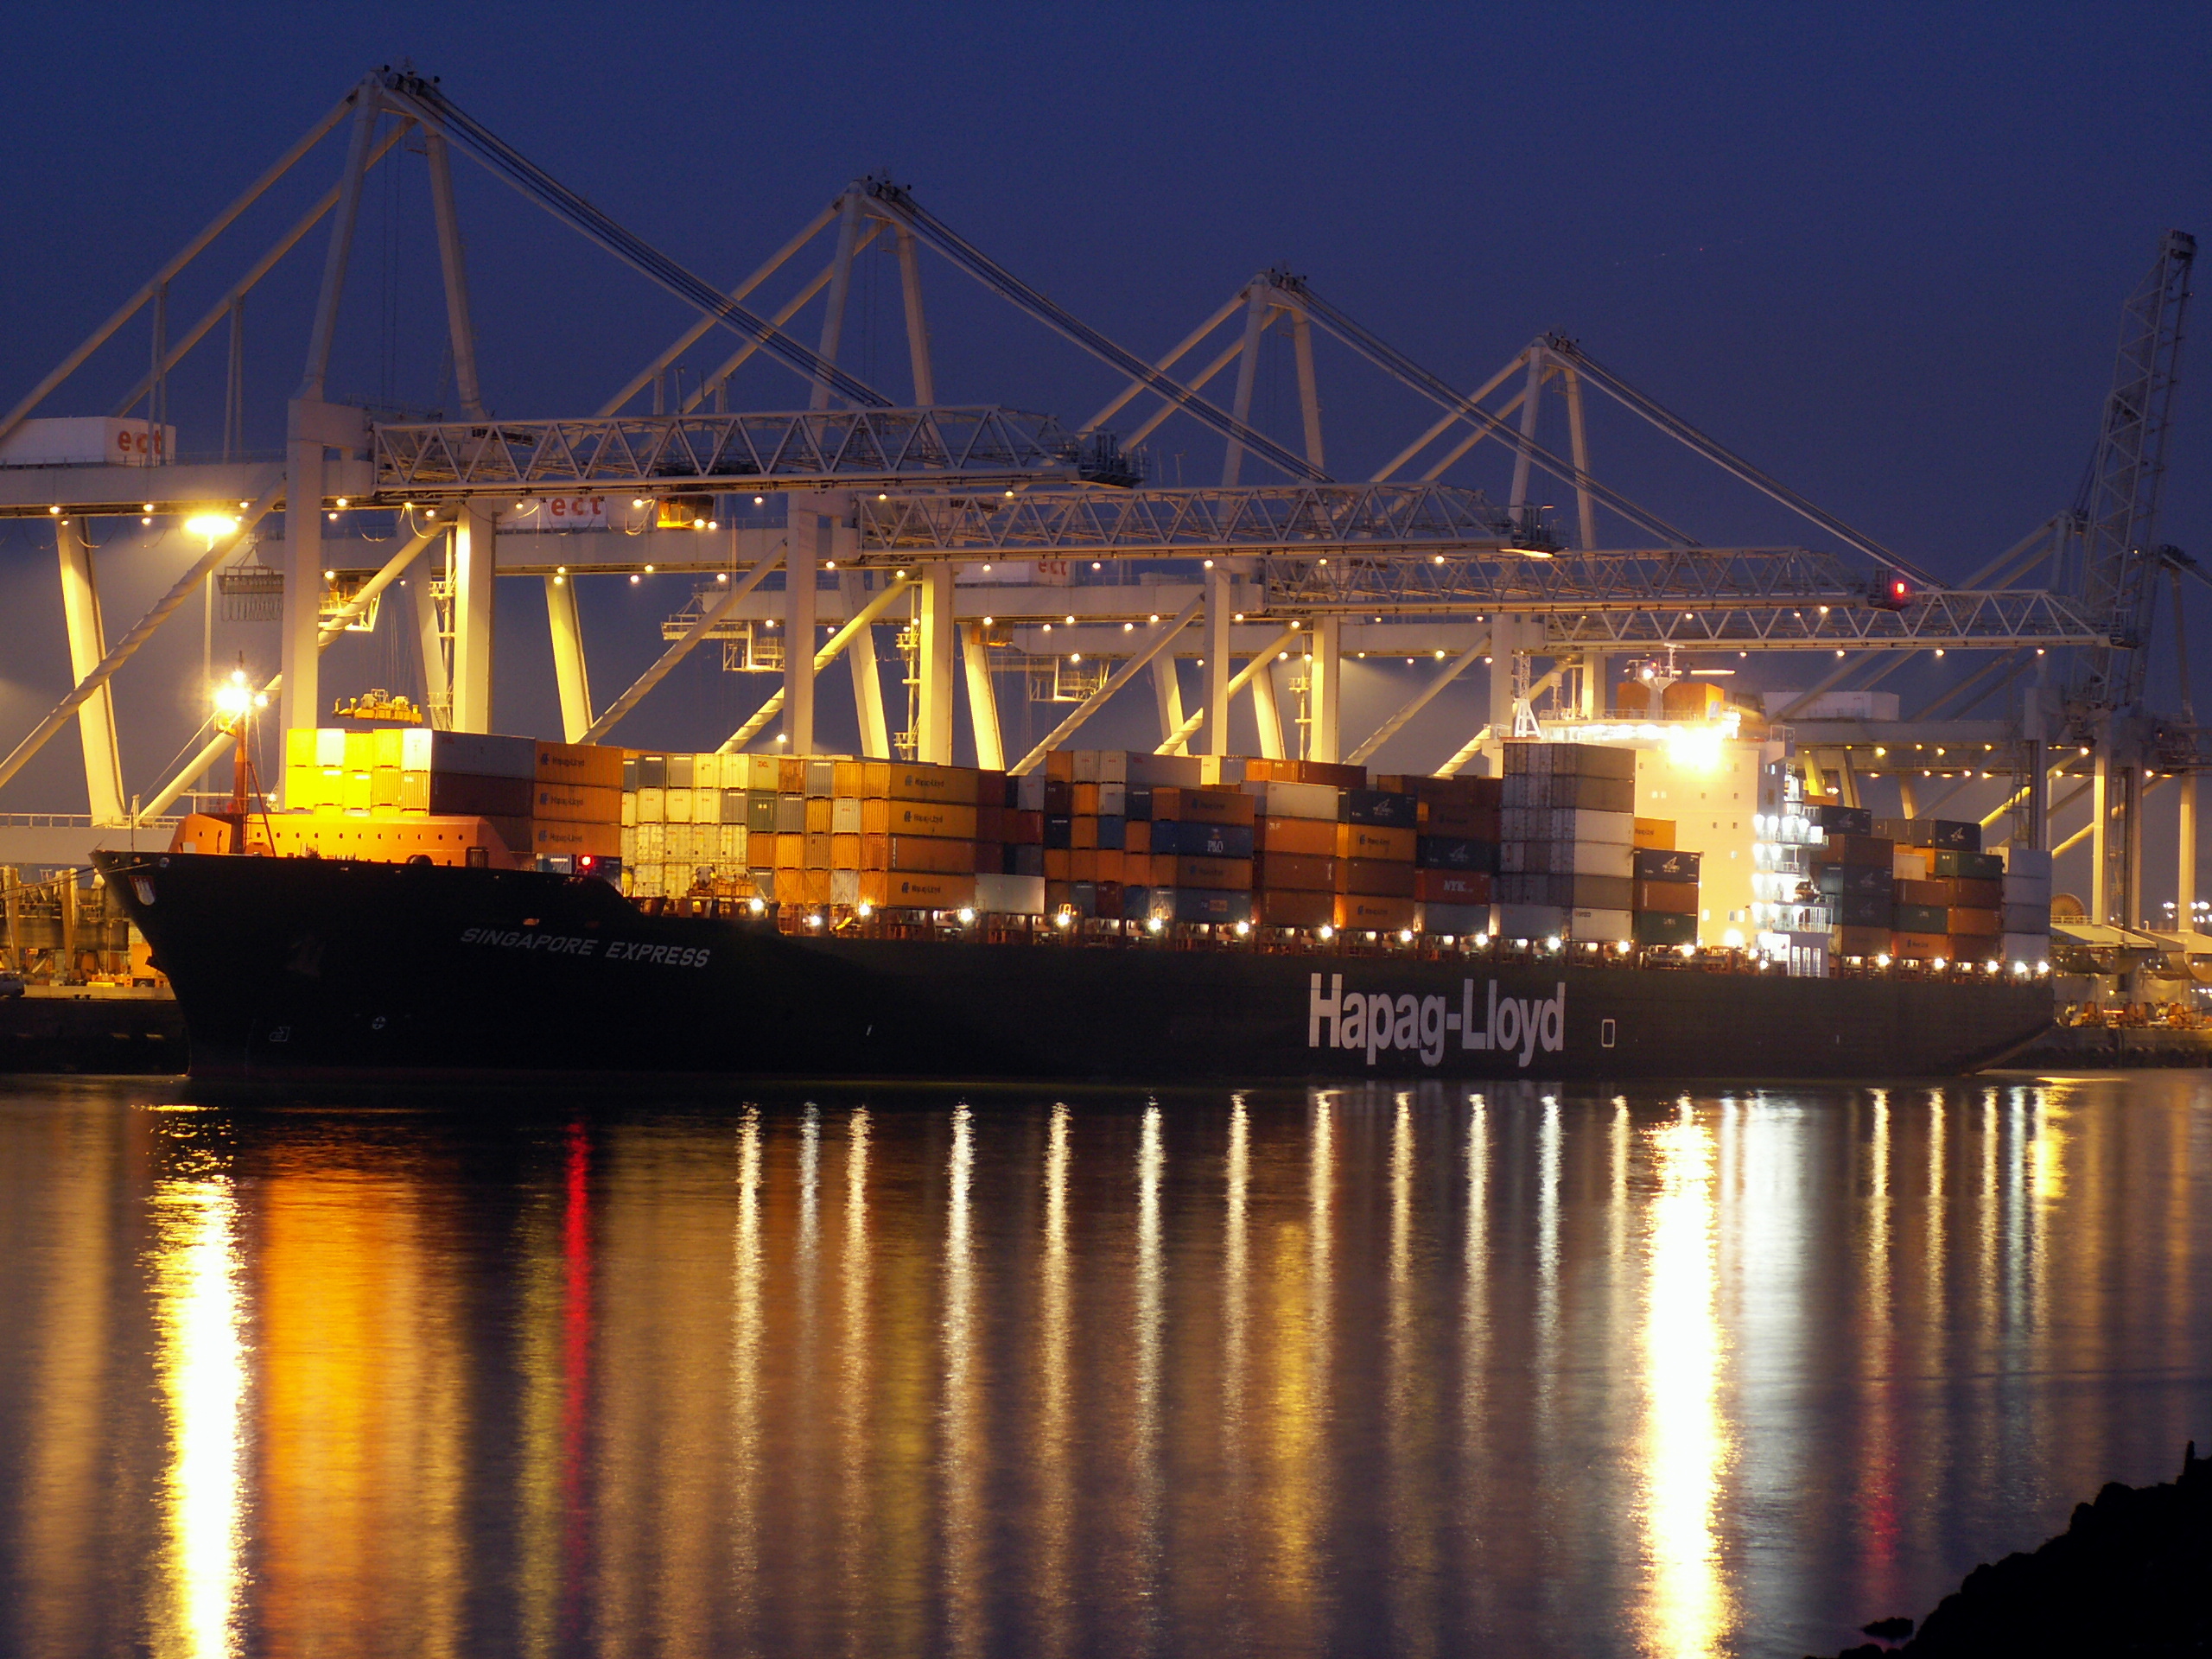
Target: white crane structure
[(1002, 543)]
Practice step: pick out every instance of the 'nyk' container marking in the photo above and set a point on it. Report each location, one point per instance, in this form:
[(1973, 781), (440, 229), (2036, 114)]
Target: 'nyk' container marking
[(1376, 1022)]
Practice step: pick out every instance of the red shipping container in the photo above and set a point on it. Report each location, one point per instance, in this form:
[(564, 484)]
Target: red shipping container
[(1455, 886)]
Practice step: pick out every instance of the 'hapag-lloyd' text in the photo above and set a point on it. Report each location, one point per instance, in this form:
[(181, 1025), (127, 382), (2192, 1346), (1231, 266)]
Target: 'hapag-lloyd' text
[(1377, 1020)]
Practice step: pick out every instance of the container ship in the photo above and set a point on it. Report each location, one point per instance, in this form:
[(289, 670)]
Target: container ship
[(435, 904)]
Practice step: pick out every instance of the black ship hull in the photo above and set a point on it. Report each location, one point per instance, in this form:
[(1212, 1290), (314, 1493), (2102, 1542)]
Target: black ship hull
[(310, 967)]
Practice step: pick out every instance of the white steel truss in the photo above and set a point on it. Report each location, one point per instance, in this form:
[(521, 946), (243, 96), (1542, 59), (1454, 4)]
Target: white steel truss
[(976, 447)]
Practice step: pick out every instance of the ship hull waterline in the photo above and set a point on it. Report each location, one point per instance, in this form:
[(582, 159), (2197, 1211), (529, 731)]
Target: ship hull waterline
[(299, 967)]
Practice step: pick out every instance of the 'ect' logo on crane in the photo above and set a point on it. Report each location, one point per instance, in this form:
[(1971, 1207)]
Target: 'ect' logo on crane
[(1377, 1021)]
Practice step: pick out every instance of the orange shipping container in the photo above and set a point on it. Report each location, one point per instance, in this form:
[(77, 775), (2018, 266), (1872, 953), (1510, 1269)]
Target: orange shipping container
[(845, 852), (817, 846), (1083, 832), (1113, 861), (791, 852), (1083, 863), (1085, 800), (1381, 877), (1309, 837), (1862, 941), (589, 765), (567, 802), (1366, 911), (903, 780), (817, 814), (1654, 835), (1295, 873), (557, 839), (1056, 864), (1373, 841), (1137, 835), (936, 853), (1203, 806), (1289, 908), (928, 819), (1919, 947)]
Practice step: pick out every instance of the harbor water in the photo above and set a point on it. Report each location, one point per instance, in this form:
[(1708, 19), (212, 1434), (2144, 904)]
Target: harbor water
[(1019, 1371)]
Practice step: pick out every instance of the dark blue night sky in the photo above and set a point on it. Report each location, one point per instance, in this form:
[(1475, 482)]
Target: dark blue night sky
[(1882, 252)]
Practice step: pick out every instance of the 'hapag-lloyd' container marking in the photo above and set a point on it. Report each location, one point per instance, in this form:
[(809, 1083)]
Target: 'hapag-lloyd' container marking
[(1377, 1020), (572, 944)]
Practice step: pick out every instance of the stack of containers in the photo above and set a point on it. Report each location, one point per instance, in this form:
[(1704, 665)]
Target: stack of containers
[(1079, 807), (815, 831), (1566, 850), (1666, 906), (1853, 874), (687, 822), (1295, 838), (1009, 850), (1455, 855), (1860, 897), (543, 801), (1948, 893), (1378, 834), (1200, 842), (2027, 896)]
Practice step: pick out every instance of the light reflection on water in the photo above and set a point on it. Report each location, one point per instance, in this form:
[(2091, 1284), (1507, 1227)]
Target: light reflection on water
[(203, 1373), (1388, 1370)]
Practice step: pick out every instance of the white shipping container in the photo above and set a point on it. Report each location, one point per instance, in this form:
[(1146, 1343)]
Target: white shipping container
[(677, 804), (629, 806), (2023, 861), (653, 805), (1296, 800), (330, 745), (1086, 765), (1113, 798), (1600, 926), (1568, 824), (629, 845), (845, 816), (1908, 866), (1010, 895), (1029, 792), (707, 803), (2027, 890), (1113, 765), (2026, 918), (87, 441), (845, 887), (2030, 948)]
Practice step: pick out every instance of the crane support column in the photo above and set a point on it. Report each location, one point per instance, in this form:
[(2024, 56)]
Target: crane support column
[(1167, 691), (982, 701), (1218, 600), (2185, 855), (2099, 860), (299, 649), (867, 677), (476, 588), (81, 613), (940, 638), (1265, 712), (2038, 802), (2132, 909), (569, 668), (1326, 686), (805, 530)]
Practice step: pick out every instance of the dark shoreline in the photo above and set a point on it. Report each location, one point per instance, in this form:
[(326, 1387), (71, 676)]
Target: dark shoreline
[(2127, 1576)]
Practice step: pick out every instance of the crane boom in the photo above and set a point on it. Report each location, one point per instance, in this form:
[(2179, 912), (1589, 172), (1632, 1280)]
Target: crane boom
[(2116, 515)]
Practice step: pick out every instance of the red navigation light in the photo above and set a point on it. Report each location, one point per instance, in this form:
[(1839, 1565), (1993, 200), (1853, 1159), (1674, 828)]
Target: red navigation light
[(1893, 592), (585, 862)]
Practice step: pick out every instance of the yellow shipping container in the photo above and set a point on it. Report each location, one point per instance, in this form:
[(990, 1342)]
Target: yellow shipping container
[(383, 785), (1654, 835), (676, 804), (932, 818)]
